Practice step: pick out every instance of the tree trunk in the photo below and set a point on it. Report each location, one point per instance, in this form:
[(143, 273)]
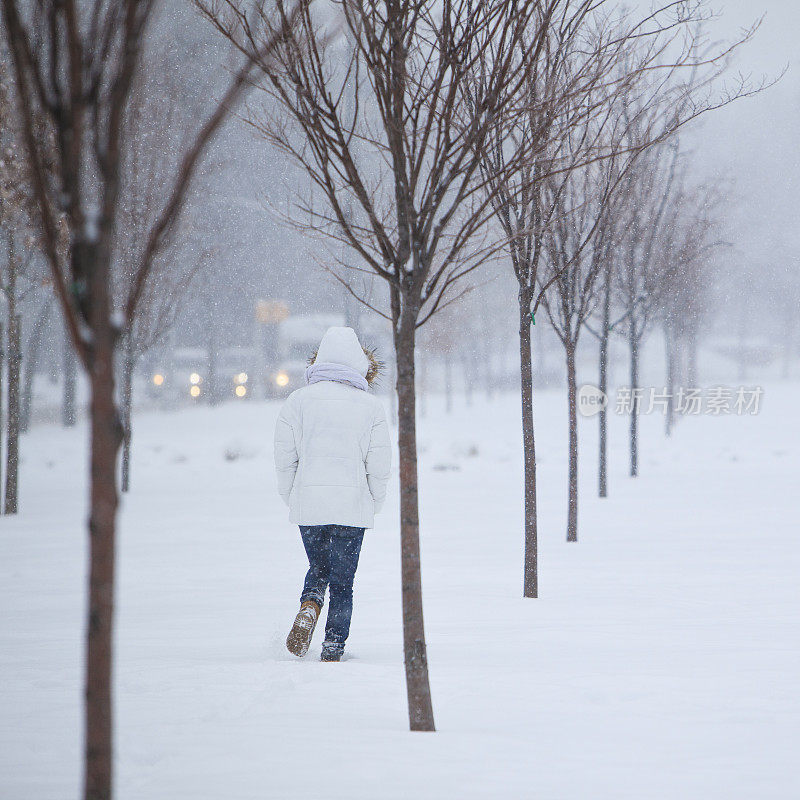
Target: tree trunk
[(467, 379), (530, 584), (691, 359), (572, 503), (670, 347), (70, 370), (392, 377), (488, 353), (448, 382), (105, 440), (633, 342), (213, 379), (12, 436), (2, 367), (742, 347), (127, 411), (602, 472), (420, 709), (213, 376), (31, 363)]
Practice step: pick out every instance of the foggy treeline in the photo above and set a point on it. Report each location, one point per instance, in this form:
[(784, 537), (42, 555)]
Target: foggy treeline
[(503, 197)]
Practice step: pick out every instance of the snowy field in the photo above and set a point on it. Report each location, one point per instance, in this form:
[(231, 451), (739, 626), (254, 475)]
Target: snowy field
[(660, 662)]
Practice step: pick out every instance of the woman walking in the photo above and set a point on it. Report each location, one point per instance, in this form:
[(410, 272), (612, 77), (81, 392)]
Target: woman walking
[(332, 457)]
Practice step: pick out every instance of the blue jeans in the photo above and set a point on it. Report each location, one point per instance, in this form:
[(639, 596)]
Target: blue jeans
[(332, 552)]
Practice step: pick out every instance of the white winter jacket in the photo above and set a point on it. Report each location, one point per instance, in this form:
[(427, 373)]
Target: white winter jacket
[(332, 450)]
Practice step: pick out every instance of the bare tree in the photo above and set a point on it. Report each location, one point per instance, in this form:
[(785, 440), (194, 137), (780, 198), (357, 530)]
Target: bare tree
[(31, 356), (632, 289), (590, 59), (650, 189), (441, 339), (575, 247), (642, 276), (17, 268), (688, 242), (19, 282), (519, 157), (394, 163), (69, 375), (566, 90), (74, 67), (156, 125), (603, 336), (13, 353)]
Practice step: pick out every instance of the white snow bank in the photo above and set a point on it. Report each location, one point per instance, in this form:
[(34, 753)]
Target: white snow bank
[(660, 661)]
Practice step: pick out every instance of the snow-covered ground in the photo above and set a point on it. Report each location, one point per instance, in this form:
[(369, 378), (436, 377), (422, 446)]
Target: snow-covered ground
[(661, 660)]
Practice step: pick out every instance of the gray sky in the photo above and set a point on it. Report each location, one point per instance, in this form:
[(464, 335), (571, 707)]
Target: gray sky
[(752, 146), (755, 142)]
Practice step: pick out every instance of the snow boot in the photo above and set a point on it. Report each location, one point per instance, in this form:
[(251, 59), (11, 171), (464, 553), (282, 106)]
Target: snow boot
[(299, 638), (331, 652)]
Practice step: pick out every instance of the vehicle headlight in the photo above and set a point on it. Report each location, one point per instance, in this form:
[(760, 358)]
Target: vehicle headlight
[(158, 379), (282, 379), (241, 391), (240, 378), (194, 379), (195, 391)]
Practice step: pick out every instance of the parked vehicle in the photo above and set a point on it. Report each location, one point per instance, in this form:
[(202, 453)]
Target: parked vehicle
[(235, 371), (179, 375)]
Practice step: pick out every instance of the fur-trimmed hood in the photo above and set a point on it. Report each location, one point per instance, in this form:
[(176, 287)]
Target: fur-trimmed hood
[(341, 346)]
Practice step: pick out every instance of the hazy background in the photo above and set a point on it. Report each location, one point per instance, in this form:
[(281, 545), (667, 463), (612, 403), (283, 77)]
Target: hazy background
[(749, 147), (755, 142)]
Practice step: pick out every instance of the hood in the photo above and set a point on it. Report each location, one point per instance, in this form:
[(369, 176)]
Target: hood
[(341, 346)]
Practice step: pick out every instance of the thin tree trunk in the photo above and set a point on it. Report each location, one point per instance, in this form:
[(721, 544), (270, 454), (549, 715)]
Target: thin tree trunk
[(691, 360), (12, 437), (213, 377), (127, 412), (670, 346), (448, 382), (572, 504), (210, 387), (420, 709), (488, 353), (53, 359), (530, 585), (633, 342), (31, 363), (70, 372), (393, 383), (2, 368), (602, 473), (742, 347)]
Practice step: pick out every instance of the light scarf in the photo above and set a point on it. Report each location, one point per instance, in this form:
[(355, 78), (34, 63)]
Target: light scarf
[(329, 371)]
